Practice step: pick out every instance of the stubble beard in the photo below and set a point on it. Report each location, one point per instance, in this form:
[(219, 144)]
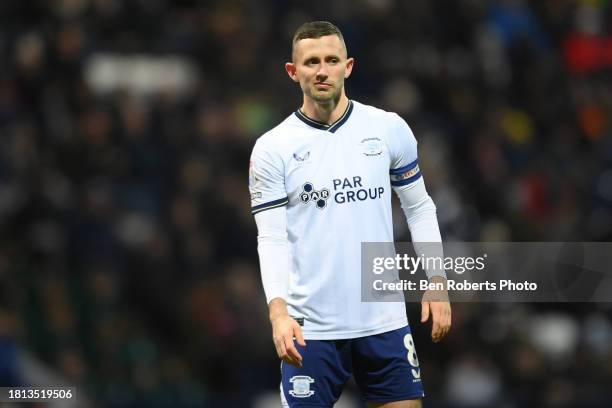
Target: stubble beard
[(325, 99)]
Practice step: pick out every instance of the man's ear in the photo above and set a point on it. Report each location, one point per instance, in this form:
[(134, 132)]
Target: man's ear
[(349, 67), (291, 71)]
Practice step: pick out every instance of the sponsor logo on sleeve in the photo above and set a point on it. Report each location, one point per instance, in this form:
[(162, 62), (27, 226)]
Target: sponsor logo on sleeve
[(408, 173)]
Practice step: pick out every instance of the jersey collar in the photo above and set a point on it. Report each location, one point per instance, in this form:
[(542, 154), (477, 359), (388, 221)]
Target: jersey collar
[(324, 126)]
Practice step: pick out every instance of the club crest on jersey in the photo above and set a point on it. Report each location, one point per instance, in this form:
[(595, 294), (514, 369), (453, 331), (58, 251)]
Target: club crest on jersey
[(301, 386), (301, 157), (319, 197), (371, 146)]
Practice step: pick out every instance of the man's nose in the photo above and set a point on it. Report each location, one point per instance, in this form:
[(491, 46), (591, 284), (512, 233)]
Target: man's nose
[(322, 71)]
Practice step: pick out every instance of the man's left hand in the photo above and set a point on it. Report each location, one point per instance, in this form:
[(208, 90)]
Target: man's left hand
[(435, 302)]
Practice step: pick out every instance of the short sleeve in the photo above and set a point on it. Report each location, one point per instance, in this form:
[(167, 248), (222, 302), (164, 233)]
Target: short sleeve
[(266, 179), (404, 163)]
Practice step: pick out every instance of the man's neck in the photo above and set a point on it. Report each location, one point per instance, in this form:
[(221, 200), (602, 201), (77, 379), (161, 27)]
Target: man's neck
[(325, 112)]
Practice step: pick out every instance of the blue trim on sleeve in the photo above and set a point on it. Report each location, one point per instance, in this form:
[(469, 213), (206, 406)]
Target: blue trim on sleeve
[(407, 181), (404, 169), (406, 174), (269, 205)]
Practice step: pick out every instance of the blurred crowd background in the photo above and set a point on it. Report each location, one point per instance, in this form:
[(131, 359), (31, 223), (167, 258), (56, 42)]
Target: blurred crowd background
[(128, 262)]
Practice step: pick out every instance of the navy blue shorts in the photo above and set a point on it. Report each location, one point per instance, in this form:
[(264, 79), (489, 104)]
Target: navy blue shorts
[(385, 366)]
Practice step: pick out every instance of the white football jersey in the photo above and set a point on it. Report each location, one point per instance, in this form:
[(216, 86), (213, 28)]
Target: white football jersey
[(336, 183)]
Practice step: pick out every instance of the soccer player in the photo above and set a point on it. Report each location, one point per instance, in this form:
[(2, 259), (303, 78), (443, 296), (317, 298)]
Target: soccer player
[(320, 185)]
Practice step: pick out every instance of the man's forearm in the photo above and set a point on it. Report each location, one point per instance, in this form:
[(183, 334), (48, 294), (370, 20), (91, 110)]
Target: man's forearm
[(273, 249), (420, 212)]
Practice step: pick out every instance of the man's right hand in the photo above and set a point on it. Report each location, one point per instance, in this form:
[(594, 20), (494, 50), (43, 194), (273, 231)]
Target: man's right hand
[(284, 330)]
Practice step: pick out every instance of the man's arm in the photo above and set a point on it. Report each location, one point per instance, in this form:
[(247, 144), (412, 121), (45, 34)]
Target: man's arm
[(273, 249), (420, 212)]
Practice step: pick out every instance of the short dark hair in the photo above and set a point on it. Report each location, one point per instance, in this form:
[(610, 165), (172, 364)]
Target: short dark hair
[(315, 29)]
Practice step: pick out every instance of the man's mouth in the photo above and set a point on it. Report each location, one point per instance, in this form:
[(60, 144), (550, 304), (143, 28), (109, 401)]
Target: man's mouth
[(322, 84)]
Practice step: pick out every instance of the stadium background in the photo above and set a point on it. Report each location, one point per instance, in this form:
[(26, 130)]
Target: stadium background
[(127, 251)]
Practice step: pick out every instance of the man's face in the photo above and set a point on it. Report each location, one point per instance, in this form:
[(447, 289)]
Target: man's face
[(320, 65)]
